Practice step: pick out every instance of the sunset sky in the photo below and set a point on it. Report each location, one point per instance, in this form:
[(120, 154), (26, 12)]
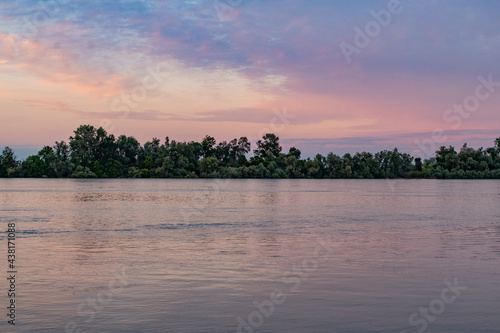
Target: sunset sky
[(324, 75)]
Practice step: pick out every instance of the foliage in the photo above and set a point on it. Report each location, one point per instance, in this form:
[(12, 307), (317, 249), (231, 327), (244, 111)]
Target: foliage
[(83, 172), (8, 163), (93, 153), (268, 144)]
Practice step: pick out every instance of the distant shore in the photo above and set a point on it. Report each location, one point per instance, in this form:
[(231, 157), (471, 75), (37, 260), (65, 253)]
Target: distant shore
[(92, 153)]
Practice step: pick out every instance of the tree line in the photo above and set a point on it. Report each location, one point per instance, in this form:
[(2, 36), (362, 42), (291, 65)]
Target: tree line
[(93, 153)]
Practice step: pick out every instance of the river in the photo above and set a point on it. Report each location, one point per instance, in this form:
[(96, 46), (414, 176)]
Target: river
[(197, 255)]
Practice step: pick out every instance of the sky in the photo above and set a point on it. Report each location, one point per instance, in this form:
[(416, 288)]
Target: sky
[(324, 75)]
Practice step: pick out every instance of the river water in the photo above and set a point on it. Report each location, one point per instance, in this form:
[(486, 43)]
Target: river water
[(194, 255)]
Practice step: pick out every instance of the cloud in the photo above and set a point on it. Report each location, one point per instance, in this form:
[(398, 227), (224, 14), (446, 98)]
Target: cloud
[(60, 66), (406, 142), (263, 116), (282, 53), (56, 105)]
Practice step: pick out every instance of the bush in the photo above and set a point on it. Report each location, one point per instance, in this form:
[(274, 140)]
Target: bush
[(83, 172), (134, 172)]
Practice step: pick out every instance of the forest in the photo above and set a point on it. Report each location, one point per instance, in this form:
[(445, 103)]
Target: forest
[(93, 153)]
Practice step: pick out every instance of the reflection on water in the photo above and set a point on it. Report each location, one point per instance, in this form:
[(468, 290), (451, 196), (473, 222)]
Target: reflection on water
[(199, 254)]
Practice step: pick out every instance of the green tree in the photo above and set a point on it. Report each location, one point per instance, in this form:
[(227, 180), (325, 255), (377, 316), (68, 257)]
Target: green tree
[(237, 150), (316, 167), (8, 163), (62, 165), (83, 172), (393, 164), (39, 165), (90, 144), (418, 164), (268, 144), (294, 152), (128, 149), (223, 152), (114, 168), (258, 171), (347, 166), (292, 167), (334, 168), (208, 146), (33, 166), (447, 158), (93, 153), (365, 166), (208, 166)]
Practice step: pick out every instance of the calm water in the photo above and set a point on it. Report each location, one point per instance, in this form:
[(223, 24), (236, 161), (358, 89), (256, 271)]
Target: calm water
[(205, 255)]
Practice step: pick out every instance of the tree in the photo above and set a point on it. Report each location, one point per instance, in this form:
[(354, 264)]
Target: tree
[(83, 172), (268, 144), (347, 166), (237, 150), (447, 158), (208, 165), (222, 152), (333, 166), (152, 148), (33, 166), (316, 167), (393, 164), (8, 163), (128, 149), (258, 171), (39, 165), (93, 153), (61, 165), (418, 164), (292, 167), (243, 145), (90, 144), (294, 152), (365, 166), (208, 146), (114, 168)]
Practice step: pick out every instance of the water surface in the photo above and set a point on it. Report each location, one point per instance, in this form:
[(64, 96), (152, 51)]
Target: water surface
[(191, 255)]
